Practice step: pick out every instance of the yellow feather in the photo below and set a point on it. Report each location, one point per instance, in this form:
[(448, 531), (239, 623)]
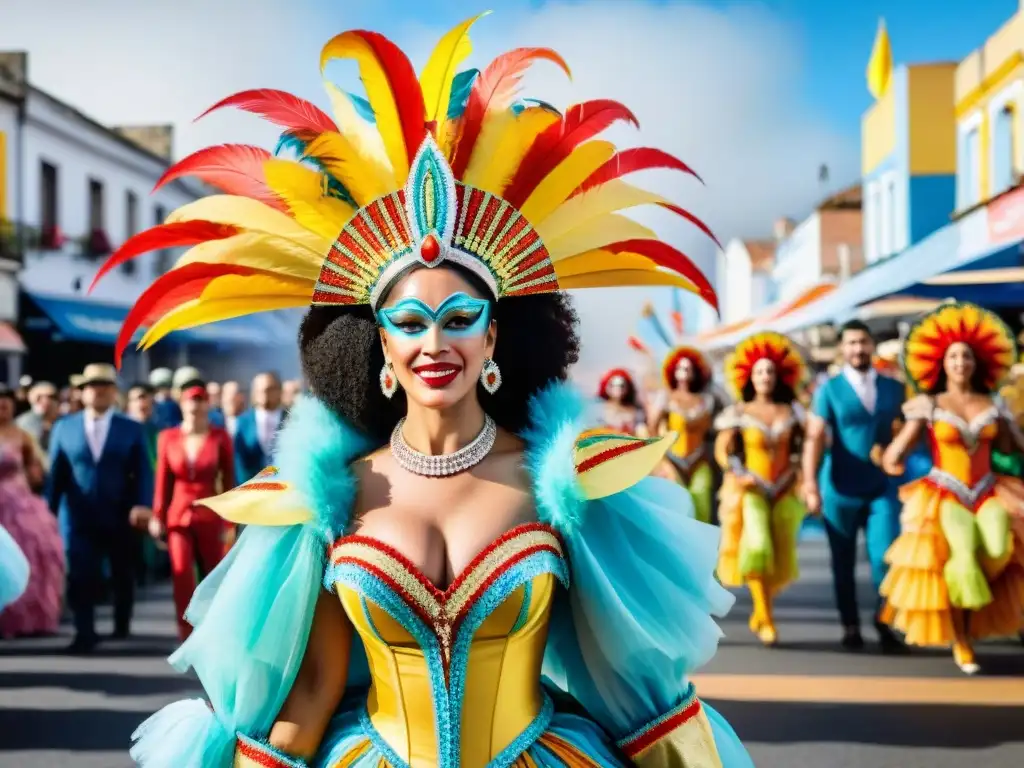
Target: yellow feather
[(556, 187), (228, 297), (301, 190), (257, 251), (351, 45), (362, 135), (601, 261), (622, 278), (251, 215), (340, 159), (504, 140), (608, 229), (612, 196), (436, 78)]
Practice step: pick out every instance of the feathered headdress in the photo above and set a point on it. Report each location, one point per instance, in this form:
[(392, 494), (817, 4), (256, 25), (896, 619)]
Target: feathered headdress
[(446, 167), (924, 350), (654, 339), (790, 366), (621, 373)]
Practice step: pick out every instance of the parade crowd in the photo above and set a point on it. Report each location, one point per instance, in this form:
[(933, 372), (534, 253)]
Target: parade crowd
[(97, 485)]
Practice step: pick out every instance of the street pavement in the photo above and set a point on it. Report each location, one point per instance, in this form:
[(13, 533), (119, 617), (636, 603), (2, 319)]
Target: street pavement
[(804, 704)]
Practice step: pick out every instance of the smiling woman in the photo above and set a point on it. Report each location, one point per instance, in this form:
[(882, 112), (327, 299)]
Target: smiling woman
[(488, 564)]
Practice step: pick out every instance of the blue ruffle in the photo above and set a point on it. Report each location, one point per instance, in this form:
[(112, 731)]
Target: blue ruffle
[(640, 615), (14, 569), (252, 617)]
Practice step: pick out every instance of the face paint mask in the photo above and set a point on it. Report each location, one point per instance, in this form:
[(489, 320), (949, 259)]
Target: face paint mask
[(459, 316)]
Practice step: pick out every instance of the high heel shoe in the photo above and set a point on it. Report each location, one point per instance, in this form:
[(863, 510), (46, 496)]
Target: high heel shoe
[(963, 655)]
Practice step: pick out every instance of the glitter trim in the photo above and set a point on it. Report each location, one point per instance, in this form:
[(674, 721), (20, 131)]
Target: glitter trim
[(261, 754), (641, 739)]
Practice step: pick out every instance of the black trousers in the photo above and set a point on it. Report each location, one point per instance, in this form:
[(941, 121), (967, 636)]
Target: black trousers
[(87, 553)]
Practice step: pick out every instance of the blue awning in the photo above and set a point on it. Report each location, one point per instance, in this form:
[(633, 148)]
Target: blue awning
[(100, 323)]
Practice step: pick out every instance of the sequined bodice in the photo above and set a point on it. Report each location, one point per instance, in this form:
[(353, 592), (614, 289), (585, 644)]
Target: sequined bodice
[(767, 446), (963, 449), (691, 424), (455, 673)]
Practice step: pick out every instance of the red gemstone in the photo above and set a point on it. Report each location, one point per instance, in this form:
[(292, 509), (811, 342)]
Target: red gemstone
[(387, 381), (430, 249), (490, 378)]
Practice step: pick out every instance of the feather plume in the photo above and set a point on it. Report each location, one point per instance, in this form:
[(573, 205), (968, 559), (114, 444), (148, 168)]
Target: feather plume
[(439, 73), (280, 108), (252, 216), (623, 278), (637, 345), (677, 312), (555, 188), (228, 297), (176, 235), (601, 260), (363, 136), (257, 251), (505, 139), (693, 220), (580, 123), (595, 234), (336, 155), (655, 322), (301, 189), (632, 160), (392, 90), (167, 292), (236, 169), (462, 85), (493, 92), (664, 255)]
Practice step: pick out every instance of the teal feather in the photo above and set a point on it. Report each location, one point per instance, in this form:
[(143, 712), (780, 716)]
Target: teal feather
[(296, 145), (521, 104), (461, 87), (314, 450)]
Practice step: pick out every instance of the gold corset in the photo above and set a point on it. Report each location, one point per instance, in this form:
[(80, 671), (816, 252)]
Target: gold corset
[(961, 450), (458, 670), (767, 448), (691, 425)]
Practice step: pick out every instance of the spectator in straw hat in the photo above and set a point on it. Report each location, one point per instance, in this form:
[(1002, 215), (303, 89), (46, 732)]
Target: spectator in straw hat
[(101, 486), (166, 413), (44, 401)]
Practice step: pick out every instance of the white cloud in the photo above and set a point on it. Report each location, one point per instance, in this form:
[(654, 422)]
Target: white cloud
[(718, 88)]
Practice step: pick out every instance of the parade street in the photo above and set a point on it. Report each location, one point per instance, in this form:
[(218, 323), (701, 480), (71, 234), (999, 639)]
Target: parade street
[(804, 704)]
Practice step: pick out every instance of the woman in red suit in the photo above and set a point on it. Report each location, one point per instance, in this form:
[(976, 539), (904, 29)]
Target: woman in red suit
[(194, 461)]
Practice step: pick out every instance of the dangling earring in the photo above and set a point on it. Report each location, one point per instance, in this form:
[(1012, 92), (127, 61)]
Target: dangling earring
[(490, 376), (388, 380)]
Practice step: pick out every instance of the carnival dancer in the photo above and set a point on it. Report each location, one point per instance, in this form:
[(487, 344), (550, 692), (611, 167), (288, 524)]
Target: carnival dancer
[(853, 412), (957, 569), (435, 352), (686, 406), (621, 411), (759, 511)]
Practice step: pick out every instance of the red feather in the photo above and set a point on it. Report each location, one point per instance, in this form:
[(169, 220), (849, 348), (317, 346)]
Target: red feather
[(495, 88), (280, 108), (177, 235), (636, 344), (677, 323), (405, 88), (169, 291), (236, 169), (580, 123), (693, 220), (631, 160), (664, 255)]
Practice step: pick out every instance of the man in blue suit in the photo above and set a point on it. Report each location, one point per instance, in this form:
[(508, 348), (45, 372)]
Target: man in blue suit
[(855, 410), (166, 413), (257, 427), (101, 488)]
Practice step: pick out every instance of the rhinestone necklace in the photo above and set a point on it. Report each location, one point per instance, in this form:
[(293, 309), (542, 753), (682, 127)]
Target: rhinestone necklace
[(446, 464)]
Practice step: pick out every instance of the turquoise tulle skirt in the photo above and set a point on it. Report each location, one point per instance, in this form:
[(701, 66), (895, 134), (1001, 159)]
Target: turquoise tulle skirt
[(13, 570)]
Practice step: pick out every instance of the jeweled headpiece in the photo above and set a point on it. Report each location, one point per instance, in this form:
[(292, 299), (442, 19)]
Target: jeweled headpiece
[(993, 344), (790, 366), (445, 168)]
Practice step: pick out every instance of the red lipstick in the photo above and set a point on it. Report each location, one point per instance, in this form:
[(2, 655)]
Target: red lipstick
[(437, 375)]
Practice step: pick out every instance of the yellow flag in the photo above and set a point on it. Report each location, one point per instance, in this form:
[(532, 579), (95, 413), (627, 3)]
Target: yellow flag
[(880, 64)]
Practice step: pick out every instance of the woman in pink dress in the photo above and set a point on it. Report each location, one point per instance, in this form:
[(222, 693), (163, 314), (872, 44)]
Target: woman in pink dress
[(33, 527)]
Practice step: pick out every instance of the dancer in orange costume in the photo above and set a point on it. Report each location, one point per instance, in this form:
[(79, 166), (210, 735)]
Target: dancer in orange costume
[(759, 510), (957, 569)]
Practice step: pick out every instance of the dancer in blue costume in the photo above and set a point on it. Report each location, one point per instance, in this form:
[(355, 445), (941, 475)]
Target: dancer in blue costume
[(443, 568), (14, 570), (854, 411)]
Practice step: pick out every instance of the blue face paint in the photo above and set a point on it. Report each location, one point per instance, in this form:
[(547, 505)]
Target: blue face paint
[(459, 316)]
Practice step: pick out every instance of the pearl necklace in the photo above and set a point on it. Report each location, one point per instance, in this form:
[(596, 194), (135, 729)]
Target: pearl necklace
[(446, 464)]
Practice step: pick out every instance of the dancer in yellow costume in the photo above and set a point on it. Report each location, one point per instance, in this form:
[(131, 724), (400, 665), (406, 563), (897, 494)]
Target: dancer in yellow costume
[(440, 570), (957, 569), (759, 511)]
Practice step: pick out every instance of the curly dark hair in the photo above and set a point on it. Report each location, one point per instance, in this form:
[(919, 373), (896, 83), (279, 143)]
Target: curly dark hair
[(697, 384), (342, 358), (630, 397), (979, 379), (782, 394)]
